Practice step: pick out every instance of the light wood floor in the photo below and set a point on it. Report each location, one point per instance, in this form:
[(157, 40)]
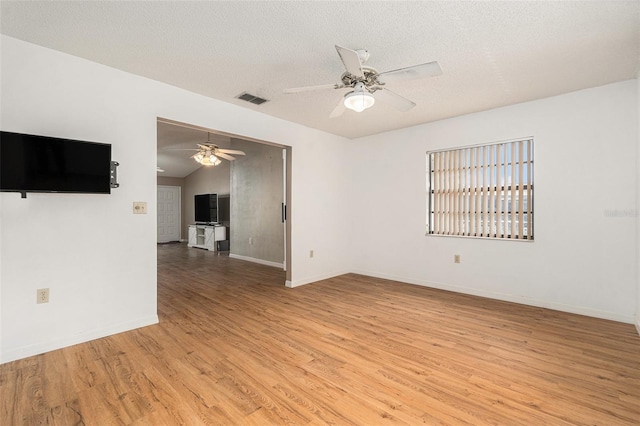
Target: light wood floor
[(236, 347)]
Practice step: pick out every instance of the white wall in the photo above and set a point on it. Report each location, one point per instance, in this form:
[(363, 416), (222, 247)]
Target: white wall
[(584, 256), (324, 183), (98, 259), (94, 255)]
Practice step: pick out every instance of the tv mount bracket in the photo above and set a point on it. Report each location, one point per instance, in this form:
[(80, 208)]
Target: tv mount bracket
[(114, 174)]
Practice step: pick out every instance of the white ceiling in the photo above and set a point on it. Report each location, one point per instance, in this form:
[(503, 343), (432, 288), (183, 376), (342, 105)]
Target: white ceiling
[(491, 53)]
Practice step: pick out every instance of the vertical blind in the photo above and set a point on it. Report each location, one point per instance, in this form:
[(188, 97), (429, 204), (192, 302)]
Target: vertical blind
[(482, 191)]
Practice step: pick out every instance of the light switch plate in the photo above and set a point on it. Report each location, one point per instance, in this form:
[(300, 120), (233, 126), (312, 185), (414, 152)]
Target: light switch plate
[(139, 207)]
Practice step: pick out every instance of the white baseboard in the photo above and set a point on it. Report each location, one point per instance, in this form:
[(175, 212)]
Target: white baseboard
[(13, 354), (613, 316), (260, 261), (638, 322), (298, 283)]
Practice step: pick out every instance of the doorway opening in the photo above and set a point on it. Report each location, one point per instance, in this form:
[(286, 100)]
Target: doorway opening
[(255, 187)]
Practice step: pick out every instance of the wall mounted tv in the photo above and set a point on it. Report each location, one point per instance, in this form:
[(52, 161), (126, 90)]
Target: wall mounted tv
[(206, 208), (30, 163)]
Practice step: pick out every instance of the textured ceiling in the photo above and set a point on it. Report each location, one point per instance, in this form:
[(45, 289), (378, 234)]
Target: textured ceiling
[(491, 53)]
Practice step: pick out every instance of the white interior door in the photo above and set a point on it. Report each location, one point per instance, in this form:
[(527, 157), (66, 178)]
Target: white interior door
[(168, 213)]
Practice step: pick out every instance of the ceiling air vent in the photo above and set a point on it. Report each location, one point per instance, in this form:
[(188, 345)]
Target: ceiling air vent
[(251, 98)]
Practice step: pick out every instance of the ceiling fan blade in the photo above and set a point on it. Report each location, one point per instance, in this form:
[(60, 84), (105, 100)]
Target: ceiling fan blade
[(351, 61), (338, 110), (230, 151), (225, 156), (396, 101), (180, 149), (312, 88), (430, 69)]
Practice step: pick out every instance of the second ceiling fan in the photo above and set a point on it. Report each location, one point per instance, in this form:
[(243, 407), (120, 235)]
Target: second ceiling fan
[(365, 81), (209, 154)]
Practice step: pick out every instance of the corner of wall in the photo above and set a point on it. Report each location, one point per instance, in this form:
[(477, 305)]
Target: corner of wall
[(314, 279)]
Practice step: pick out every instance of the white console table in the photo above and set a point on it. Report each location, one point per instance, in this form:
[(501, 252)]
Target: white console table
[(206, 236)]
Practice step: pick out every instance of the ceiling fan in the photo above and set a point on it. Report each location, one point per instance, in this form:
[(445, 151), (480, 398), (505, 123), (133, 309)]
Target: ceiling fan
[(209, 154), (365, 81)]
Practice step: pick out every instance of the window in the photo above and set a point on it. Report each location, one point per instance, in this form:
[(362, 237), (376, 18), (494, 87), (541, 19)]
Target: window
[(482, 191)]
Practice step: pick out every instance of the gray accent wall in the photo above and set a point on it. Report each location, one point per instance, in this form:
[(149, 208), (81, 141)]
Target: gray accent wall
[(256, 202)]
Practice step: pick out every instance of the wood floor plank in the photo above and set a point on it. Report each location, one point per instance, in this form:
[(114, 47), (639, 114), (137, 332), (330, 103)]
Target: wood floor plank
[(234, 346)]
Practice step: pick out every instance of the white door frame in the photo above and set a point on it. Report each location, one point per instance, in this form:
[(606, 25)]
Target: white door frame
[(284, 204)]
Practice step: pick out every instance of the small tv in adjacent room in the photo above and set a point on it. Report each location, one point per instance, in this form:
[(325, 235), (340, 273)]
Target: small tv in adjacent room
[(206, 208), (31, 163)]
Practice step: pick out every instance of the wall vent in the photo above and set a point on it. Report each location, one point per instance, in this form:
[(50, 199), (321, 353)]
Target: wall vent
[(251, 98)]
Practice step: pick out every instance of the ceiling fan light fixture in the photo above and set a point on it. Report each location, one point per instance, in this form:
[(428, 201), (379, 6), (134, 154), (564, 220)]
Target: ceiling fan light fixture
[(212, 160), (206, 158), (359, 100)]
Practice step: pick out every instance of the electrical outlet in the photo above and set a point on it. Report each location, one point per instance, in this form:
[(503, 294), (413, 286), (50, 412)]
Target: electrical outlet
[(250, 241), (456, 258), (42, 295), (139, 207), (311, 253)]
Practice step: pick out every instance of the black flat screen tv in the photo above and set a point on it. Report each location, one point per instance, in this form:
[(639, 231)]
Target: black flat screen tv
[(206, 208), (31, 163)]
